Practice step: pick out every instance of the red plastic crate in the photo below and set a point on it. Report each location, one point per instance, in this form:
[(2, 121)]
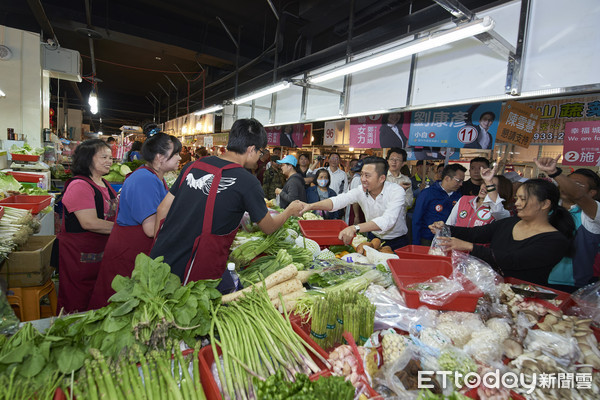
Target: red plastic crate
[(24, 157), (324, 232), (25, 202), (407, 272), (22, 177), (211, 390), (415, 252)]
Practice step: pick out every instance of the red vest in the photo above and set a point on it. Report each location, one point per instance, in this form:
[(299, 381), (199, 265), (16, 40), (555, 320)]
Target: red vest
[(469, 217)]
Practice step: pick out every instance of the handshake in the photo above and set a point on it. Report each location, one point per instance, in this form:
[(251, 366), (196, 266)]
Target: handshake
[(297, 208)]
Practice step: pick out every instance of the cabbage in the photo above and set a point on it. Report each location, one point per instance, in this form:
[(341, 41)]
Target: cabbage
[(8, 182)]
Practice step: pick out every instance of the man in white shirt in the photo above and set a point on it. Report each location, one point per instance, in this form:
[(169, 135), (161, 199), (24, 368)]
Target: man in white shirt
[(339, 179), (396, 158), (382, 202)]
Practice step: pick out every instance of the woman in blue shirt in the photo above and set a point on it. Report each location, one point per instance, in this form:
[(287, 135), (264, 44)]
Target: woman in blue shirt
[(322, 192), (133, 233)]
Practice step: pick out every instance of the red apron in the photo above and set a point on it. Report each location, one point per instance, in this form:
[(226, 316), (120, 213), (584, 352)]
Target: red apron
[(79, 255), (123, 246), (210, 252)]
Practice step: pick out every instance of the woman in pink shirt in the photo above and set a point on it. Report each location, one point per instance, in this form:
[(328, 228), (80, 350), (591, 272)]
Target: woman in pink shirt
[(89, 208)]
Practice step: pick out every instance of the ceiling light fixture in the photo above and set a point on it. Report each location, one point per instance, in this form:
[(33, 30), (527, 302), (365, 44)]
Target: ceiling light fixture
[(2, 94), (93, 102), (433, 40), (272, 89), (209, 110)]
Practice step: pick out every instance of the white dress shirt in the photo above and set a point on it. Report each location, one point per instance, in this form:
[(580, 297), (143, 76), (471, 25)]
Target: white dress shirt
[(387, 210), (399, 180)]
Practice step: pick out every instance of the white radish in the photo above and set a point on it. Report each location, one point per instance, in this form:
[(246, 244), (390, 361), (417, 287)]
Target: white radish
[(270, 281)]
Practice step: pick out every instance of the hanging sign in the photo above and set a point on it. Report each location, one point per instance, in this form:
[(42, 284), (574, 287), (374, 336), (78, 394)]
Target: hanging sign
[(364, 131), (285, 135), (555, 114), (582, 143), (208, 141), (468, 126), (329, 132), (518, 123)]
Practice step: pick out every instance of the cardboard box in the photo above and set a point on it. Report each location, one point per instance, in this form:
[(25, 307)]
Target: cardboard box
[(30, 265), (27, 279)]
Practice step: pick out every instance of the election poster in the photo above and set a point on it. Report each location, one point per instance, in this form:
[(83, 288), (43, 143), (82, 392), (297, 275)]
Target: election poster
[(582, 143)]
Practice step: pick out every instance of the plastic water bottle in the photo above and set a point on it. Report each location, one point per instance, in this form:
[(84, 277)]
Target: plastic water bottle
[(234, 276)]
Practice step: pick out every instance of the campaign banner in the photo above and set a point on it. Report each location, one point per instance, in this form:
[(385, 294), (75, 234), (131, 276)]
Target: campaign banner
[(555, 114), (582, 143), (471, 126), (432, 153), (286, 135), (307, 135), (380, 130), (518, 123)]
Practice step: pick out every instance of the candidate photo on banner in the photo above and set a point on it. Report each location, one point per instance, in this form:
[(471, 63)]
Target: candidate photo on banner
[(468, 126), (291, 135), (393, 132)]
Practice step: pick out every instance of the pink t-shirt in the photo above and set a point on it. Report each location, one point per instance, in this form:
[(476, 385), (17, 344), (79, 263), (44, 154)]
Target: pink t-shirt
[(80, 196)]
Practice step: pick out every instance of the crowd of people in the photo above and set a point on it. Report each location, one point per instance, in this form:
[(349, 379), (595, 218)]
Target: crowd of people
[(545, 231)]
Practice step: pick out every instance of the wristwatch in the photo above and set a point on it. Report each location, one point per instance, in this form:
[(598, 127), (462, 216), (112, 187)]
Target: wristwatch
[(357, 228)]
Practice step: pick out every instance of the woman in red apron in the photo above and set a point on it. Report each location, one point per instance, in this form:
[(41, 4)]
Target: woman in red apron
[(89, 206), (133, 233)]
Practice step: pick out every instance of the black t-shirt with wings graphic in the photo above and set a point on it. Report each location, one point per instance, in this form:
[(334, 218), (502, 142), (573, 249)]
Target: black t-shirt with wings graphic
[(239, 191)]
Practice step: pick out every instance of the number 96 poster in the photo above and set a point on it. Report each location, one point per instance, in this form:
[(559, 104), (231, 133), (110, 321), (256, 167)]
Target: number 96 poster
[(470, 126)]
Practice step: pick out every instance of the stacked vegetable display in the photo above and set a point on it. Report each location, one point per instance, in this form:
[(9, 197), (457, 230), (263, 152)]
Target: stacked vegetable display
[(16, 226), (146, 311)]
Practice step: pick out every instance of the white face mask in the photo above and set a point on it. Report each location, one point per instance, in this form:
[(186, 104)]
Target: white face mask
[(322, 182)]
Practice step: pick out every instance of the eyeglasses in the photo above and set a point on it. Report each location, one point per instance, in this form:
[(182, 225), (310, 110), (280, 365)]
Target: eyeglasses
[(458, 180), (261, 151), (395, 160)]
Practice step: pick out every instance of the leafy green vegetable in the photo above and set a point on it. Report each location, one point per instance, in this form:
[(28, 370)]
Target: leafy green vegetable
[(8, 182), (26, 149), (324, 388)]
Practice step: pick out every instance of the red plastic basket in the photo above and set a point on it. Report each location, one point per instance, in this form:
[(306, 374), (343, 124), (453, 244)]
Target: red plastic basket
[(407, 272), (22, 177), (24, 157), (25, 202), (211, 390), (415, 252), (324, 232)]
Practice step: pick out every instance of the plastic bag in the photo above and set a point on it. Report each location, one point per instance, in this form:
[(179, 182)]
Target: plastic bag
[(564, 350), (335, 271), (438, 290), (9, 323), (588, 302), (477, 271), (377, 257), (436, 248), (485, 346), (390, 309)]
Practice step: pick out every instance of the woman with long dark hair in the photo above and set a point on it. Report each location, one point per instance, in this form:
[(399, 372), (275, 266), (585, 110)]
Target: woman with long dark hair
[(527, 246), (140, 196), (89, 206)]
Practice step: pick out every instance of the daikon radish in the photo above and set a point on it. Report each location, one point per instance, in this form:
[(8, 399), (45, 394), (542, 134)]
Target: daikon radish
[(270, 281), (284, 288), (304, 275), (287, 298)]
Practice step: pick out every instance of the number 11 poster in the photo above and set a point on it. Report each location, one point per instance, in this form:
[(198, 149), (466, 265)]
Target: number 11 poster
[(470, 126)]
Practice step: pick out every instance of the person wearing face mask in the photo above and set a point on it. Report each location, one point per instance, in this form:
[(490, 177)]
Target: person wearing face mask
[(294, 185), (382, 202), (321, 192)]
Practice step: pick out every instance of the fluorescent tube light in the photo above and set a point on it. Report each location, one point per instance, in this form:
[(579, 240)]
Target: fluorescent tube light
[(2, 94), (209, 110), (429, 42), (273, 89)]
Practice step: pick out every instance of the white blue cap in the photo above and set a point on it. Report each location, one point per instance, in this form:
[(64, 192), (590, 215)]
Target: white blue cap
[(289, 159)]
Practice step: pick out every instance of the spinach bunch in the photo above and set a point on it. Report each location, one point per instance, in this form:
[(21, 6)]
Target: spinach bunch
[(146, 310)]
